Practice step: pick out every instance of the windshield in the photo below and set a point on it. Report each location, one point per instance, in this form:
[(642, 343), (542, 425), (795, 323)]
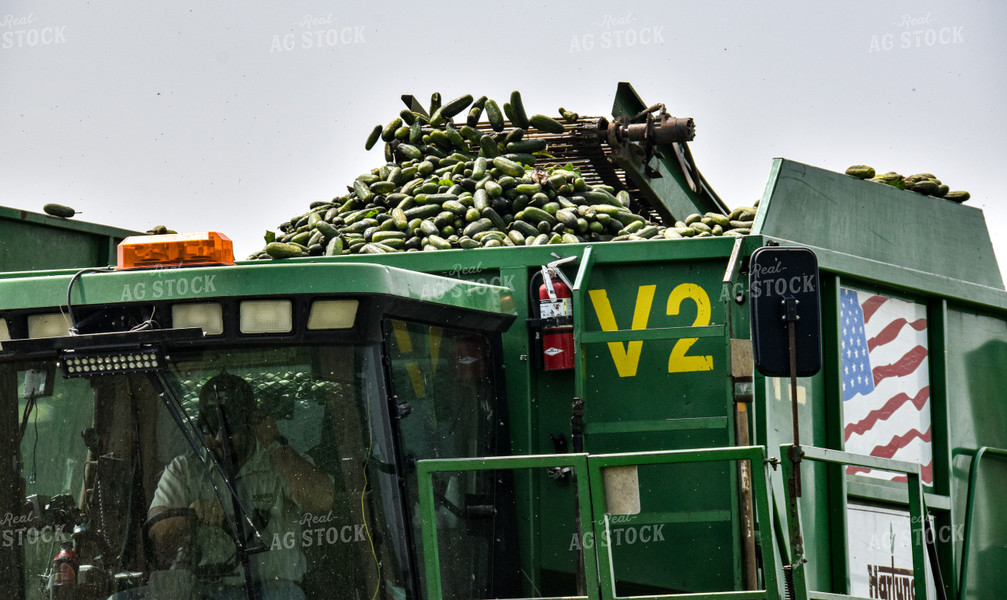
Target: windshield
[(120, 497)]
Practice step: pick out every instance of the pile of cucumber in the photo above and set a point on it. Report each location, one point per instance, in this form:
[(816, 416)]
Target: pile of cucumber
[(475, 184), (272, 390), (922, 183)]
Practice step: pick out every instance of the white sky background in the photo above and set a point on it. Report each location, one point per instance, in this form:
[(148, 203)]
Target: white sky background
[(196, 116)]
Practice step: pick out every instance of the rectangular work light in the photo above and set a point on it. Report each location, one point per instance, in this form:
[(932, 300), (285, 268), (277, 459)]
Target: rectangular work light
[(89, 364)]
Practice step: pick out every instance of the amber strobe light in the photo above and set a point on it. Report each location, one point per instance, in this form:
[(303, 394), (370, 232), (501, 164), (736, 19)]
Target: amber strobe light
[(174, 250)]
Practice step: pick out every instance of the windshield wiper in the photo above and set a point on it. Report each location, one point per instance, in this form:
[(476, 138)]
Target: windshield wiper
[(212, 464)]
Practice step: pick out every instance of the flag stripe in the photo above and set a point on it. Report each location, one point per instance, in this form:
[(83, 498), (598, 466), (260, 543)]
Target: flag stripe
[(891, 331), (879, 414), (898, 442), (871, 306), (905, 365)]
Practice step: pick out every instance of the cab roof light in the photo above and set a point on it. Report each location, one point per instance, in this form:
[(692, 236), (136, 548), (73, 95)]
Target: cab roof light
[(265, 316), (332, 314), (174, 250), (48, 325), (209, 316)]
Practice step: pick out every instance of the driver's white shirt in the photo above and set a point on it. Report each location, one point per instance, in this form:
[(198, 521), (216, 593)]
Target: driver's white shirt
[(264, 494)]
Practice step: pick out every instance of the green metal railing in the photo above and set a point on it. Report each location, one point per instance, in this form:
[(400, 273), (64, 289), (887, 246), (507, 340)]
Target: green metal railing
[(917, 513), (598, 567), (969, 510), (600, 517)]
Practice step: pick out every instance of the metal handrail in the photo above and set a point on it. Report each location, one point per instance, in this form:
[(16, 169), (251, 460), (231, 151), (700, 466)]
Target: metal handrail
[(969, 508), (917, 511), (597, 568)]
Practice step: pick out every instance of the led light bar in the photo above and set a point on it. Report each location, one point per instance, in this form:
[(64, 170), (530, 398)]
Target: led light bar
[(90, 364)]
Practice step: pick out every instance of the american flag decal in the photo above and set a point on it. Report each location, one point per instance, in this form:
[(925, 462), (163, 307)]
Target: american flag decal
[(886, 381)]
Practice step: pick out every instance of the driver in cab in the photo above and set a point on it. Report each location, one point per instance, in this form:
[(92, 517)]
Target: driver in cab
[(275, 484)]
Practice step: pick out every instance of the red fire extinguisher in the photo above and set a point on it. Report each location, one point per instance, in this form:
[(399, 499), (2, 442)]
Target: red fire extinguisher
[(556, 314), (64, 575)]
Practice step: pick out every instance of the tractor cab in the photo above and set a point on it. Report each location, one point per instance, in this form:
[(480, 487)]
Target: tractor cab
[(135, 470)]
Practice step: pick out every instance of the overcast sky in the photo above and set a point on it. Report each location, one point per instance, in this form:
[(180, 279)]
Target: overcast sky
[(234, 117)]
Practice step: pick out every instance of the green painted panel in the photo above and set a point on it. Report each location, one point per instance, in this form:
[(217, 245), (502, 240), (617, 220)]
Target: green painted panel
[(683, 374), (33, 241), (837, 212), (251, 280)]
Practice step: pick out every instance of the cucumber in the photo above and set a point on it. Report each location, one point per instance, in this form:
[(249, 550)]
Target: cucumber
[(440, 198), (455, 207), (386, 236), (428, 228), (481, 236), (362, 189), (521, 158), (623, 198), (400, 219), (479, 167), (599, 196), (526, 146), (537, 215), (860, 171), (334, 247), (327, 230), (59, 210), (493, 189), (647, 232), (524, 227), (520, 118), (410, 152), (383, 187), (423, 211), (488, 147), (957, 196), (470, 133), (632, 227), (283, 250), (569, 117), (514, 135), (718, 219), (494, 218), (475, 227), (735, 214), (441, 138), (388, 133), (456, 138), (546, 124), (927, 187), (474, 115), (508, 167), (625, 217), (494, 115), (456, 106), (373, 137), (567, 218)]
